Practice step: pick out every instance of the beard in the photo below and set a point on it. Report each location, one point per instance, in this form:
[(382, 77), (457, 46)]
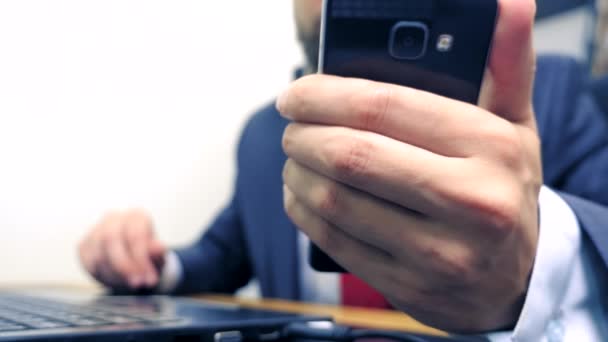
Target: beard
[(310, 46)]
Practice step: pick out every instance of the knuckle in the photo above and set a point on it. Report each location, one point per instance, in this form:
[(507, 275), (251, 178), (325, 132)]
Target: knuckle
[(138, 215), (350, 160), (286, 173), (105, 238), (506, 144), (111, 225), (133, 239), (454, 265), (461, 267), (298, 91), (505, 221), (432, 253), (133, 233), (325, 199), (372, 107), (501, 214), (288, 208), (109, 217), (137, 230), (327, 240), (120, 264), (495, 206), (286, 140), (289, 205), (140, 219)]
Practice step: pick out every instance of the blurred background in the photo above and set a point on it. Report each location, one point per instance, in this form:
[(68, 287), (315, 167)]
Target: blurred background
[(118, 103)]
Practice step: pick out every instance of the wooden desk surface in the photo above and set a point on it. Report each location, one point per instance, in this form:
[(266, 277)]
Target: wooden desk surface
[(357, 317)]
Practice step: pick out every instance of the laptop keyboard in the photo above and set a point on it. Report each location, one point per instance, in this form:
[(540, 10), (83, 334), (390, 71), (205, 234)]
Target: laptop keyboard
[(20, 313)]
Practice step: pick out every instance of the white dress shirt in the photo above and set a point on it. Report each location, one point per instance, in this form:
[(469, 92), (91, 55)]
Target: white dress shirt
[(566, 294)]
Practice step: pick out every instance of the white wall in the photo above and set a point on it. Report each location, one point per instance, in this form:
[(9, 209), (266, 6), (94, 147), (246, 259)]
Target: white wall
[(117, 103), (114, 103), (562, 34)]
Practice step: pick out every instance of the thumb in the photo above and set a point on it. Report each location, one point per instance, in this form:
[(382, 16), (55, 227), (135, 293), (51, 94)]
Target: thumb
[(507, 89)]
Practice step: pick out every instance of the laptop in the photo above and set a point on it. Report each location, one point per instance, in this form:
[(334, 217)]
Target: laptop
[(73, 317), (63, 316)]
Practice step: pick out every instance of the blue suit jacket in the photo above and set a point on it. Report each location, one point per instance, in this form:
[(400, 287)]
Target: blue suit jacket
[(253, 237)]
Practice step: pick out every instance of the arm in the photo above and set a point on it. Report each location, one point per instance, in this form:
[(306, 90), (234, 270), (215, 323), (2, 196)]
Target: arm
[(219, 261), (406, 174), (123, 253), (575, 153), (593, 218), (564, 298), (574, 137)]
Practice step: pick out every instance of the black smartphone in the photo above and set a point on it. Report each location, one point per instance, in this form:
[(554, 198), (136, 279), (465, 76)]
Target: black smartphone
[(440, 46)]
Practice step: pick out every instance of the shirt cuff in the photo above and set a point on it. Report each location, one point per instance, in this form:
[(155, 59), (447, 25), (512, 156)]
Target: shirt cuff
[(559, 245), (171, 274)]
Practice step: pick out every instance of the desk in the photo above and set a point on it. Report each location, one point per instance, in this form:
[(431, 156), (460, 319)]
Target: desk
[(357, 317)]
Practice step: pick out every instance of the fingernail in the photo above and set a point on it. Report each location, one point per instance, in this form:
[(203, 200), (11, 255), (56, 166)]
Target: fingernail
[(282, 102)]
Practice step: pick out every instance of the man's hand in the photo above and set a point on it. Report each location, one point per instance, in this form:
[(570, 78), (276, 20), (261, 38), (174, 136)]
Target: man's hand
[(122, 251), (431, 201)]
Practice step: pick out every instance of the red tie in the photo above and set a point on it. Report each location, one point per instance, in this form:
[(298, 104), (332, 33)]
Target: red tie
[(355, 292)]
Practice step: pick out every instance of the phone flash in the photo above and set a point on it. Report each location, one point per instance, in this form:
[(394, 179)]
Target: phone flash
[(445, 43)]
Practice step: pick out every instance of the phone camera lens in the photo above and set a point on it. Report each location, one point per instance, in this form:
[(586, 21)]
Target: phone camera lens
[(408, 40)]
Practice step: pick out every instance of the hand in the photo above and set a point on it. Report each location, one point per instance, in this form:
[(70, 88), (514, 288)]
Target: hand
[(432, 201), (122, 251)]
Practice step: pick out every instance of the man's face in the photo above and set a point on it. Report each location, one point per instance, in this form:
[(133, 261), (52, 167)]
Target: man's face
[(308, 23)]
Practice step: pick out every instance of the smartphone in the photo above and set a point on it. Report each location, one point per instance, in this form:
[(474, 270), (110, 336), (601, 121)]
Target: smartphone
[(439, 46)]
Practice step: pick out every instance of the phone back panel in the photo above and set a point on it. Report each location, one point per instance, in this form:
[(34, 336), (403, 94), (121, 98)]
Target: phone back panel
[(358, 36)]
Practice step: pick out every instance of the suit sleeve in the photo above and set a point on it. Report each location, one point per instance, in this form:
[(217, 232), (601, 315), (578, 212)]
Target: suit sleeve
[(575, 144), (586, 137), (583, 161), (574, 133), (593, 218), (218, 262)]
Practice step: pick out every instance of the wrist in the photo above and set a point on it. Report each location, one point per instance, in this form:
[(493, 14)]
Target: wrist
[(170, 274)]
